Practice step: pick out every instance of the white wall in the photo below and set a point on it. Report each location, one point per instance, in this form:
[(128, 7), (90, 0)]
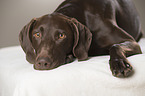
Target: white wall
[(14, 14)]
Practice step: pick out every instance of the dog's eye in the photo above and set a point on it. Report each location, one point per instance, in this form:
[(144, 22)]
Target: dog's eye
[(37, 35), (62, 36)]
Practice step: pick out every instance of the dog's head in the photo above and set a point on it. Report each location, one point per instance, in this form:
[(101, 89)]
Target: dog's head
[(48, 40)]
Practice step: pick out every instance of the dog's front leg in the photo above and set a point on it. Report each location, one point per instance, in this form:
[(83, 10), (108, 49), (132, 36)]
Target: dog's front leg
[(121, 45), (119, 64)]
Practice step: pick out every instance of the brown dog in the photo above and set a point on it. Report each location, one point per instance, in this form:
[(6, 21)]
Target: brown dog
[(82, 28)]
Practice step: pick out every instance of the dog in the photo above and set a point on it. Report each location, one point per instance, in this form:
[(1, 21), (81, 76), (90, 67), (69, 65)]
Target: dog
[(82, 28)]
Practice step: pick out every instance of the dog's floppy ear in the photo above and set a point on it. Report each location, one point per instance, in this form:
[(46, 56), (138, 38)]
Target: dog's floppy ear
[(82, 39), (24, 38)]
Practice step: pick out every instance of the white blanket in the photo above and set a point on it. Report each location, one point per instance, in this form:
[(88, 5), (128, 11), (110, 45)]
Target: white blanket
[(86, 78)]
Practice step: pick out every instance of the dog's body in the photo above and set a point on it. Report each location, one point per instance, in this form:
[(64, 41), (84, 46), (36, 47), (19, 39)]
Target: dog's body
[(95, 14), (85, 27)]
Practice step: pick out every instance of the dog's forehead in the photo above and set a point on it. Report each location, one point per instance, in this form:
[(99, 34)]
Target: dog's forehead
[(52, 21)]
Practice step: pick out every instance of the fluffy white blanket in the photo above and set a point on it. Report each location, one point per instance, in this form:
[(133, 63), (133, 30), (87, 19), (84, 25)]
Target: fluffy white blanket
[(86, 78)]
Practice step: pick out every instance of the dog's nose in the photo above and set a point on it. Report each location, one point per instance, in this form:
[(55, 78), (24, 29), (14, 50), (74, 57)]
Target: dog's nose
[(42, 63)]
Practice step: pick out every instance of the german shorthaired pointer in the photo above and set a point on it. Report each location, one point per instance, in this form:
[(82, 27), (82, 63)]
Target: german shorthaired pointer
[(82, 28)]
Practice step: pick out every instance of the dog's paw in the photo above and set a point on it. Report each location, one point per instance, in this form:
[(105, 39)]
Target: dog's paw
[(69, 59), (120, 67)]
